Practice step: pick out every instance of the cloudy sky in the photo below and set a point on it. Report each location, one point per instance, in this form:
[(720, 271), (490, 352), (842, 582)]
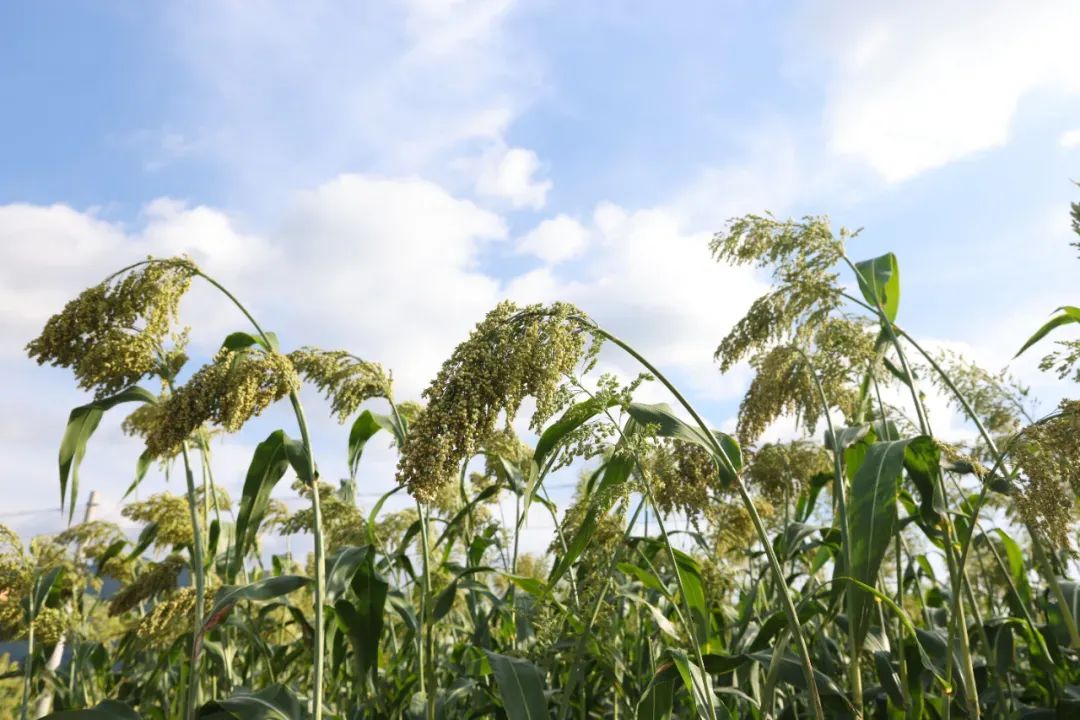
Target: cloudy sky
[(376, 176)]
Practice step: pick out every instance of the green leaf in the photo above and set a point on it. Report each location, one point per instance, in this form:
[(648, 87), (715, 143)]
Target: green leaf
[(370, 590), (1015, 558), (694, 587), (905, 620), (668, 424), (697, 682), (846, 436), (444, 602), (375, 514), (43, 584), (142, 465), (1069, 314), (1070, 590), (574, 417), (275, 702), (82, 422), (340, 569), (644, 576), (366, 425), (268, 466), (242, 341), (113, 550), (872, 520), (888, 678), (104, 710), (922, 460), (879, 281), (146, 536), (300, 460), (614, 473), (259, 591), (521, 687), (791, 672), (656, 703)]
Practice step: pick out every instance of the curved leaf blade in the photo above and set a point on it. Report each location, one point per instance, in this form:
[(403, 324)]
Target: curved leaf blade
[(521, 687), (879, 281), (872, 519)]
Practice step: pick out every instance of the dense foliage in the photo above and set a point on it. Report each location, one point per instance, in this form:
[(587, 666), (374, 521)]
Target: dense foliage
[(869, 568)]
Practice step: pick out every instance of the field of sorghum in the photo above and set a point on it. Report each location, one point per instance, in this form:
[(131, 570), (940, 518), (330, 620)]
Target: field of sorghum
[(870, 569)]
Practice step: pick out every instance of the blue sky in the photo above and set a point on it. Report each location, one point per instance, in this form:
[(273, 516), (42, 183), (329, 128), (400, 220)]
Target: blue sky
[(378, 175)]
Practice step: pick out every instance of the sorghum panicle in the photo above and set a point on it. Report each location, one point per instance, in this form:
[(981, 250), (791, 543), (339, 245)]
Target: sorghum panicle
[(784, 383), (157, 578), (776, 470), (1048, 455), (346, 381), (512, 354), (234, 387), (112, 334), (802, 255)]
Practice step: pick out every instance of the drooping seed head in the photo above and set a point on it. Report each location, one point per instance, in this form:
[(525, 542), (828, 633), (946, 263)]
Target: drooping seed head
[(113, 334), (170, 513), (840, 352), (346, 381), (170, 618), (802, 255), (1048, 456), (512, 354), (157, 579), (234, 387), (776, 470), (683, 476)]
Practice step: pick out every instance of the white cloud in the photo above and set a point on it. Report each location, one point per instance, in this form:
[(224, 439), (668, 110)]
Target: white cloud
[(511, 174), (387, 267), (651, 281), (923, 84), (384, 268), (1070, 139), (281, 95), (554, 240)]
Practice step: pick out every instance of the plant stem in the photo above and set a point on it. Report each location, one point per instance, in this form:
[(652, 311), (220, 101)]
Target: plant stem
[(688, 622), (425, 638), (759, 527), (957, 624), (198, 571), (840, 488), (579, 646), (316, 515), (29, 662)]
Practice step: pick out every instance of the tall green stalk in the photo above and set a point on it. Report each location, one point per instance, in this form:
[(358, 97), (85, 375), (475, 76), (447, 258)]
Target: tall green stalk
[(198, 571), (840, 489), (29, 663), (759, 527), (316, 515), (424, 639), (957, 622)]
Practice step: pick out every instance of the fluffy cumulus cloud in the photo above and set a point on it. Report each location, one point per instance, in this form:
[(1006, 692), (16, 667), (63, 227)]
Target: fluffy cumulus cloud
[(384, 268), (920, 85), (49, 252), (281, 95), (512, 174), (388, 268), (556, 239), (650, 279), (1070, 139)]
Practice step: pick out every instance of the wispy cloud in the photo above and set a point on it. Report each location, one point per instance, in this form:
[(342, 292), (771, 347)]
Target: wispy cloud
[(916, 86)]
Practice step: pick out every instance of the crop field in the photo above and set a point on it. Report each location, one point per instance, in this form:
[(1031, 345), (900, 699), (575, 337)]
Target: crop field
[(868, 568)]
